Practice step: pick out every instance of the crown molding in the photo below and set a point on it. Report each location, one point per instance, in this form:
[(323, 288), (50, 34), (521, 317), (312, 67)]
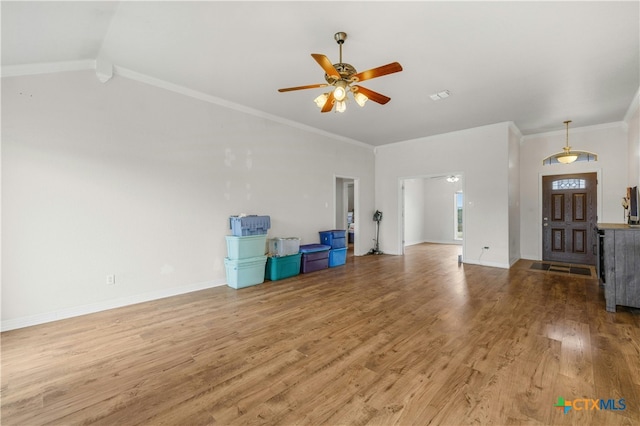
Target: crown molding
[(91, 64), (633, 108), (48, 68), (163, 84)]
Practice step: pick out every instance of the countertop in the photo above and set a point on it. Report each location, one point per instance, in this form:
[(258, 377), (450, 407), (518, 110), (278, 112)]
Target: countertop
[(618, 226)]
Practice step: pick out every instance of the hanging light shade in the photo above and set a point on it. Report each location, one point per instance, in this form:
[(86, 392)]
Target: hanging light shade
[(360, 98), (320, 100), (568, 156)]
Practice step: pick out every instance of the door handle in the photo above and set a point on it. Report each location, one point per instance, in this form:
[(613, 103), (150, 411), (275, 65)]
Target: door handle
[(545, 224)]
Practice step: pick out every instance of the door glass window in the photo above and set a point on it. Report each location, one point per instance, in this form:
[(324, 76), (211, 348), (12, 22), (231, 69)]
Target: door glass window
[(568, 184)]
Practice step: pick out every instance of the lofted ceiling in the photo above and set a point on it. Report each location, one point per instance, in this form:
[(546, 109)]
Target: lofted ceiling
[(534, 63)]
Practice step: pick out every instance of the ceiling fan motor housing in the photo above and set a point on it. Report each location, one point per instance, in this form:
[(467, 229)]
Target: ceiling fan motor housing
[(346, 71)]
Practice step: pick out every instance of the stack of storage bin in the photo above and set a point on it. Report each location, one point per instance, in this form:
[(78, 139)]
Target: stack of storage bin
[(284, 258), (314, 257), (245, 264), (337, 240)]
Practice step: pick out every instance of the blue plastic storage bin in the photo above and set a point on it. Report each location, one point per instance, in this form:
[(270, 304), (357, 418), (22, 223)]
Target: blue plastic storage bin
[(335, 238), (249, 225), (337, 257)]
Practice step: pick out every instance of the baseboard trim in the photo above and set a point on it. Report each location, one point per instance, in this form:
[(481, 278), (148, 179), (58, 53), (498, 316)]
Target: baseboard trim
[(76, 311), (491, 264)]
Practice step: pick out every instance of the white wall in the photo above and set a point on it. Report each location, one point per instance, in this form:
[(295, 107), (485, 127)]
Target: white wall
[(439, 219), (129, 179), (429, 210), (481, 155), (514, 194), (340, 207), (413, 211), (633, 125), (611, 145)]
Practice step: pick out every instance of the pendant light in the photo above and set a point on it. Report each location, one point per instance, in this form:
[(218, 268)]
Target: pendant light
[(567, 156)]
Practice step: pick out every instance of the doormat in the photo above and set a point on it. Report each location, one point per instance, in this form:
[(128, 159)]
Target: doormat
[(567, 269)]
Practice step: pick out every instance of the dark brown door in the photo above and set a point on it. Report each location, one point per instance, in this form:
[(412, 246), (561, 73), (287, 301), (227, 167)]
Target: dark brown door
[(569, 218)]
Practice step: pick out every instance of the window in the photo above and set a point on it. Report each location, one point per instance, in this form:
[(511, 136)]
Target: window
[(568, 184)]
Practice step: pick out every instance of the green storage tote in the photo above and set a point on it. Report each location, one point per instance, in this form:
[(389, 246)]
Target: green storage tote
[(282, 267), (246, 247), (245, 272)]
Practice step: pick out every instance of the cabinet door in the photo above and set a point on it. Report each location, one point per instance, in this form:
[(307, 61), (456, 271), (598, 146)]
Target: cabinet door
[(627, 267), (609, 266)]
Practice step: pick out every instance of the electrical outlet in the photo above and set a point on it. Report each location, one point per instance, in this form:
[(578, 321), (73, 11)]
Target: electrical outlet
[(111, 279)]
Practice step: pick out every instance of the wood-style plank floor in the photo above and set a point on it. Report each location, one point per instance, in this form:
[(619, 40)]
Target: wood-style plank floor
[(382, 340)]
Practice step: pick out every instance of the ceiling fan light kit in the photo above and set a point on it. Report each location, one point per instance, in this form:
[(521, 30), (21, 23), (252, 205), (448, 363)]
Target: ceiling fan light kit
[(342, 77), (568, 156)]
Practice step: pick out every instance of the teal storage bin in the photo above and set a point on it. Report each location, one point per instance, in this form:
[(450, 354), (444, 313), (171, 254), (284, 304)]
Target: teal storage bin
[(282, 267), (337, 257), (246, 247), (245, 272)]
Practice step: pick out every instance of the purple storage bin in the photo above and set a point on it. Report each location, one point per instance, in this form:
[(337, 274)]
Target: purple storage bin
[(314, 257), (311, 248)]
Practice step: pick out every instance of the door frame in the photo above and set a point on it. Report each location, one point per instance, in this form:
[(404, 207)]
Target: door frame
[(554, 172), (357, 217), (401, 207)]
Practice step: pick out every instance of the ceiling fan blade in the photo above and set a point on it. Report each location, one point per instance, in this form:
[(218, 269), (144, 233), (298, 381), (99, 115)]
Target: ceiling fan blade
[(377, 72), (311, 86), (374, 96), (329, 104), (326, 65)]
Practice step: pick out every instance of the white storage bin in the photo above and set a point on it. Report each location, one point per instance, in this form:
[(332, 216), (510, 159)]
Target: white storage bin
[(284, 246)]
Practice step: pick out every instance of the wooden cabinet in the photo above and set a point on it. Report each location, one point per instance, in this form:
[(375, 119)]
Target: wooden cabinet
[(619, 265)]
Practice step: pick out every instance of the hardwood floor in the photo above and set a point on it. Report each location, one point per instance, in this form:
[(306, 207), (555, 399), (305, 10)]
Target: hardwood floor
[(383, 340)]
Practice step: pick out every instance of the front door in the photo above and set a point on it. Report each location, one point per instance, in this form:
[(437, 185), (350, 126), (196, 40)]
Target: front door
[(569, 218)]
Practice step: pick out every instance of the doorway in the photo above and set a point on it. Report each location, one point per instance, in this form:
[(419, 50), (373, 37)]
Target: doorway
[(431, 210), (346, 208), (569, 206)]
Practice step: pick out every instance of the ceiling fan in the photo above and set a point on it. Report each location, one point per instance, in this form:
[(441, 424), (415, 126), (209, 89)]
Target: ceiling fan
[(343, 78)]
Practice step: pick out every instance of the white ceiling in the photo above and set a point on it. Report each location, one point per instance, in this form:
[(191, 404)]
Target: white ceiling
[(534, 63)]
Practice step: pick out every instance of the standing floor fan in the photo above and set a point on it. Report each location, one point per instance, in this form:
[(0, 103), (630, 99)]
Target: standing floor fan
[(377, 217)]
